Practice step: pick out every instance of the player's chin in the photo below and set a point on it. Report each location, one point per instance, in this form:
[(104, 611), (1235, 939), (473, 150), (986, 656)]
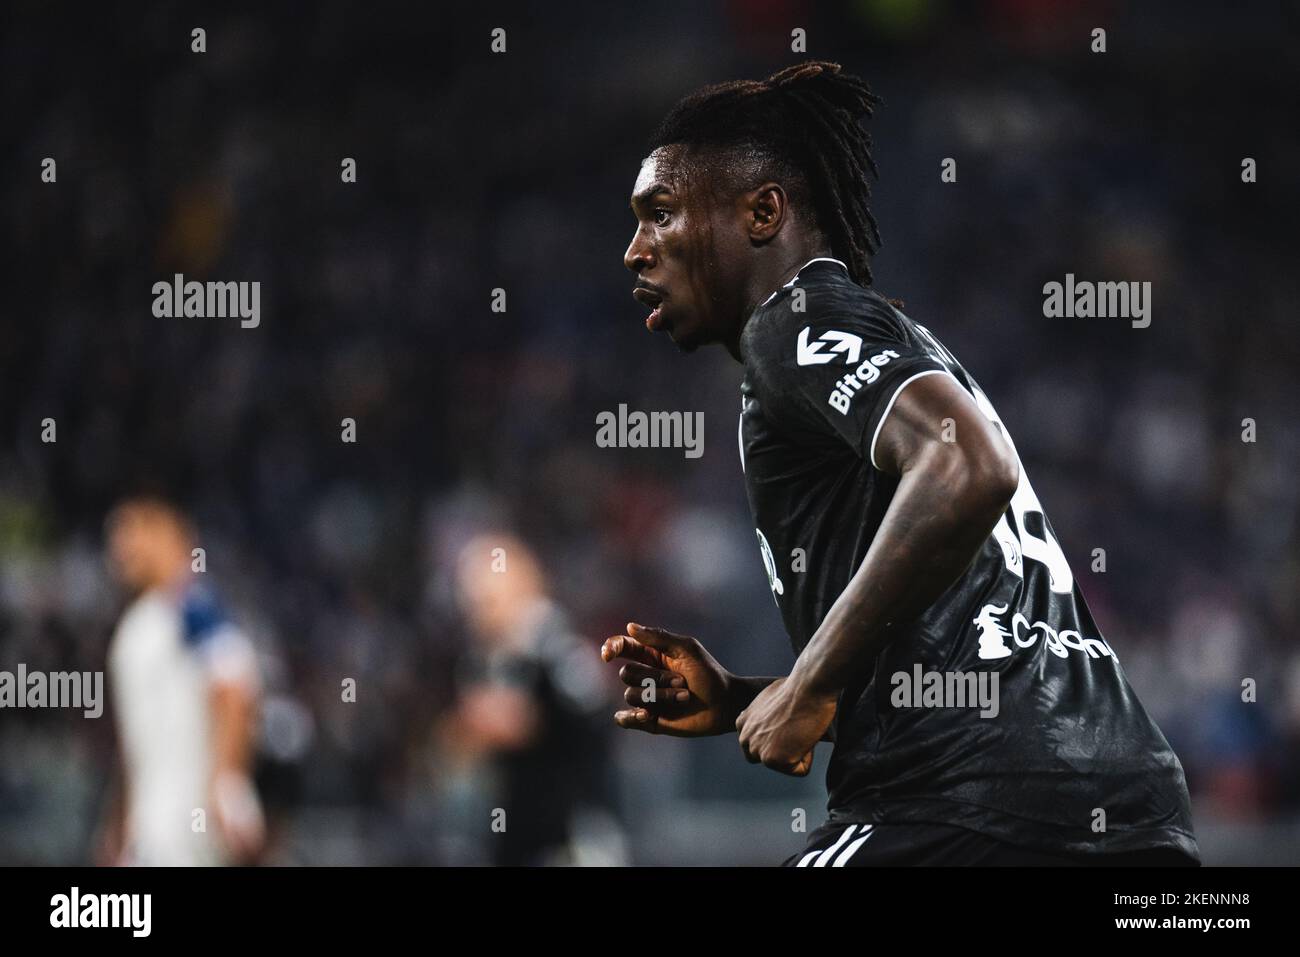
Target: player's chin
[(687, 337)]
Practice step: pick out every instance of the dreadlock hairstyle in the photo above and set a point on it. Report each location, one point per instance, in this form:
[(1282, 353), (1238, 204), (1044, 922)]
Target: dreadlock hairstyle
[(803, 124)]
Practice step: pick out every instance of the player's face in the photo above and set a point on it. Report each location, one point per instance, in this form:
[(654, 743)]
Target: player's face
[(143, 547), (679, 252), (130, 549), (495, 603)]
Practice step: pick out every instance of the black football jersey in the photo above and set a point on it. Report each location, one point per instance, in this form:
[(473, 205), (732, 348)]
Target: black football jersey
[(1071, 761)]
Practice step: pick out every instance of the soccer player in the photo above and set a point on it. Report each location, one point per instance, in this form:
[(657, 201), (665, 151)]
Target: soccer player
[(865, 444), (185, 688)]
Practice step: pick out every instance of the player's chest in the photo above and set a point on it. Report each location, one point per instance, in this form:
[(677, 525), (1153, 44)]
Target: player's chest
[(148, 649), (792, 474), (776, 448)]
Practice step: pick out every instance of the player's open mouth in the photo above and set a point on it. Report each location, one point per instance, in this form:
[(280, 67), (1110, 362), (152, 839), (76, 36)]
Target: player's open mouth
[(648, 297)]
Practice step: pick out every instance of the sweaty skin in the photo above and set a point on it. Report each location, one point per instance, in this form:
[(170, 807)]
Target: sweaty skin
[(707, 256), (949, 495)]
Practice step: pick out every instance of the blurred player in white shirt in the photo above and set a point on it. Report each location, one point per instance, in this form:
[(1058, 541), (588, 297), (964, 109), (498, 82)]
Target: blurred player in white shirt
[(185, 687)]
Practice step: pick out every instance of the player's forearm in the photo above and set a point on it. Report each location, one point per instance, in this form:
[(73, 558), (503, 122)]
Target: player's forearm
[(233, 710), (743, 689), (942, 512), (241, 824)]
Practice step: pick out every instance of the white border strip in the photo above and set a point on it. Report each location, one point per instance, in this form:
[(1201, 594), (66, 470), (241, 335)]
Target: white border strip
[(894, 398)]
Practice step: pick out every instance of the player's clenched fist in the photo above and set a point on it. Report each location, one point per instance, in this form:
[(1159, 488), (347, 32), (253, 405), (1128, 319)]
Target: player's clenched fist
[(782, 725), (674, 686)]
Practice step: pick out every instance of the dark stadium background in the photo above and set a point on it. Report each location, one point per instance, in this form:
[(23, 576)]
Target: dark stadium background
[(479, 171)]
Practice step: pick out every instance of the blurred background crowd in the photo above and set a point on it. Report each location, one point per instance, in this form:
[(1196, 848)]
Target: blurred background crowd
[(478, 171)]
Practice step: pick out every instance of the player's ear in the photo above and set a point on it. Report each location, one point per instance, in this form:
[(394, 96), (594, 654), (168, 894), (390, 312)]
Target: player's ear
[(766, 208)]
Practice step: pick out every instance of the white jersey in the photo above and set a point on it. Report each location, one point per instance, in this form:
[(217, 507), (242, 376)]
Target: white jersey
[(166, 651)]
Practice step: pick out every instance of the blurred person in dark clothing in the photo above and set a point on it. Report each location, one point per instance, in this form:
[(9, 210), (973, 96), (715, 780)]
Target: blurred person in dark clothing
[(527, 711)]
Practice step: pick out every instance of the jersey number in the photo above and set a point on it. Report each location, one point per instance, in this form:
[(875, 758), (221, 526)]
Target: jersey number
[(1045, 550)]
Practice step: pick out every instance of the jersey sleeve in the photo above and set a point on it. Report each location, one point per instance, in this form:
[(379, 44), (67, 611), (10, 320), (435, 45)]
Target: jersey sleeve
[(842, 374), (223, 649)]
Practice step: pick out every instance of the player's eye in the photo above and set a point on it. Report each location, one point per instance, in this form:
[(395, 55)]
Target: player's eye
[(661, 217)]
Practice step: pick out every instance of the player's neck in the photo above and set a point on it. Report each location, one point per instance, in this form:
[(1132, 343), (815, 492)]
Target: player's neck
[(171, 577), (770, 275)]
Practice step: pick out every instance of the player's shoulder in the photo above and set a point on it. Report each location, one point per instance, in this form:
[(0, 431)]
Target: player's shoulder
[(202, 613), (819, 315)]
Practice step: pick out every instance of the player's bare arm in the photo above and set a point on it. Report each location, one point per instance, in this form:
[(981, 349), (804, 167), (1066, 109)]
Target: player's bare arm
[(233, 707), (949, 497)]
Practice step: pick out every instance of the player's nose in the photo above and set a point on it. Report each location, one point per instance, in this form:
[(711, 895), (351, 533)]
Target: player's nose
[(639, 254)]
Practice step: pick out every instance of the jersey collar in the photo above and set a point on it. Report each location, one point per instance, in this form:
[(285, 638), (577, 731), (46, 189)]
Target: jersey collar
[(816, 259)]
